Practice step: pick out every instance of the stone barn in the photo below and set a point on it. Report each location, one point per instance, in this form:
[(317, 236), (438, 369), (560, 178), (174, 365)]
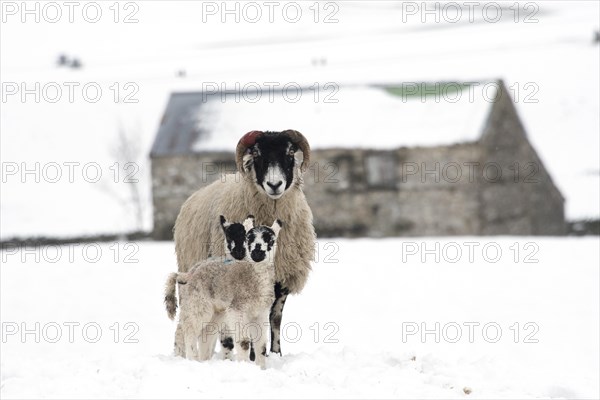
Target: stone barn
[(387, 160)]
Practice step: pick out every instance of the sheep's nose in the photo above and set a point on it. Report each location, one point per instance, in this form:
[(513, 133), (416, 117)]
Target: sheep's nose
[(238, 253), (258, 255), (274, 186)]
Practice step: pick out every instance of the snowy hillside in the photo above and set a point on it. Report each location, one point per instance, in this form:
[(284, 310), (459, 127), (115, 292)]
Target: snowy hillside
[(354, 332), (550, 60)]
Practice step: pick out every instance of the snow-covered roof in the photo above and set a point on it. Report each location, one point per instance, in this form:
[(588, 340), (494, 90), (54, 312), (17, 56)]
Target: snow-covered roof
[(376, 117)]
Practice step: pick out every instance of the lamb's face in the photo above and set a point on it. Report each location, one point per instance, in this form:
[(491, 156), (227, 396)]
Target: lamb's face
[(261, 242), (273, 160), (235, 238)]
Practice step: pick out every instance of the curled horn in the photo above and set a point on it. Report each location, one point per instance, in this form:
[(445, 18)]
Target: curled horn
[(298, 139), (248, 140)]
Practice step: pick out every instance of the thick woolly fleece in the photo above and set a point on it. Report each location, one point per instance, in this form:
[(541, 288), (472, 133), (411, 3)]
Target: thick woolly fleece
[(228, 297), (243, 286), (198, 234)]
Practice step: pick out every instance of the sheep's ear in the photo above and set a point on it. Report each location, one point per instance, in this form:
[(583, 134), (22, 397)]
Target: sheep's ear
[(276, 227), (224, 223), (249, 223), (298, 158)]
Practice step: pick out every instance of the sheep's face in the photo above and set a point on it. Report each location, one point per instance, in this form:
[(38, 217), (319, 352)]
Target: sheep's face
[(235, 237), (261, 242), (274, 159)]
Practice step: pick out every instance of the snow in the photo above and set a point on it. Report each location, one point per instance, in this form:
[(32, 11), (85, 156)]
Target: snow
[(329, 113), (370, 43), (367, 296), (361, 301)]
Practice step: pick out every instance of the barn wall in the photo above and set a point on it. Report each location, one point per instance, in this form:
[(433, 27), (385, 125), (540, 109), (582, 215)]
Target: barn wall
[(433, 191), (524, 201), (521, 198), (175, 178), (424, 196)]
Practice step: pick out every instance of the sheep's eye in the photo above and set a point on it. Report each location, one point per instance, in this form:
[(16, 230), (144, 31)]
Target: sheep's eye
[(255, 153), (291, 152)]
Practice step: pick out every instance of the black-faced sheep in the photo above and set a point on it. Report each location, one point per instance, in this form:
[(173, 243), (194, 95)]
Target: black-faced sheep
[(269, 186), (229, 296)]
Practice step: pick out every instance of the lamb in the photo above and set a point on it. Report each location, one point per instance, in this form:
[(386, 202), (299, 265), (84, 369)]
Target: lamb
[(269, 186), (234, 295)]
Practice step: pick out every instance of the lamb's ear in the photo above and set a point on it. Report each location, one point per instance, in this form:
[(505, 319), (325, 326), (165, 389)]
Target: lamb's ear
[(224, 223), (276, 227), (249, 223)]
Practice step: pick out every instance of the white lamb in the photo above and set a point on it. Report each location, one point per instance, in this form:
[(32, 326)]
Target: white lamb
[(228, 296)]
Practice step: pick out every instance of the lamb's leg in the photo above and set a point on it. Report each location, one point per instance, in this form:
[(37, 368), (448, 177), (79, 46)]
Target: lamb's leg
[(179, 350), (275, 316), (208, 342), (261, 341), (227, 345), (242, 339), (209, 335), (226, 334), (243, 349), (191, 343)]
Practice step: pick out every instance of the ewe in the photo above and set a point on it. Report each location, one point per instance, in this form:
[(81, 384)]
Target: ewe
[(269, 186)]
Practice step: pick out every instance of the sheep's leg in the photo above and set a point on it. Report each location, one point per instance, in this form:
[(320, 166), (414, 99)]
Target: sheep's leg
[(275, 316), (226, 334), (261, 341), (227, 345), (242, 352), (243, 342), (179, 342), (243, 349), (209, 335), (191, 344), (208, 342)]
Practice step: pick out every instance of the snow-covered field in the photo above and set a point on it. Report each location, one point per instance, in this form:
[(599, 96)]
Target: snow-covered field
[(354, 332), (549, 62), (87, 320)]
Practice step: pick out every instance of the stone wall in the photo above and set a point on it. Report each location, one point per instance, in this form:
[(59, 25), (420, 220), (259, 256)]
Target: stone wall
[(423, 196), (522, 199), (175, 178), (420, 191)]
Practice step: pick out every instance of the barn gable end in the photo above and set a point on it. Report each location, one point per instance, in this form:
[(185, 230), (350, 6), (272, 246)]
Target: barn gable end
[(516, 194)]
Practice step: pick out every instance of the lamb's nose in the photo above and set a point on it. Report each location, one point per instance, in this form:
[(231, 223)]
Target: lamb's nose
[(274, 186)]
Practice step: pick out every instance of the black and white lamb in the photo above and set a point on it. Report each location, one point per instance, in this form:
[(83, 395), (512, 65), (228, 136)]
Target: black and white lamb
[(269, 186), (230, 296)]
